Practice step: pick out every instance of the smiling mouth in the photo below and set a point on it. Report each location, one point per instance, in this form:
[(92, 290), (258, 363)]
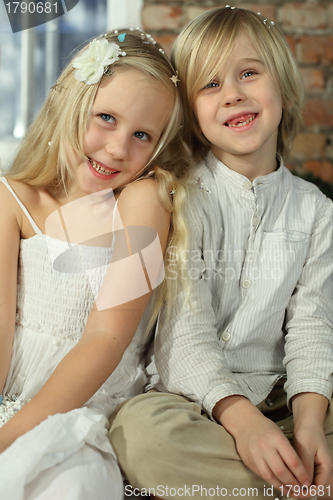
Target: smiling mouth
[(241, 121), (100, 169)]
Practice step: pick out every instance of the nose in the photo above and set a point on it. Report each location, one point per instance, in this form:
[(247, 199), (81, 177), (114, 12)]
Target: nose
[(118, 146), (232, 93)]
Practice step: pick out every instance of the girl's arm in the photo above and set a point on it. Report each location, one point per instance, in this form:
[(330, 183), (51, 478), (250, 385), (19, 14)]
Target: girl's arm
[(9, 249), (107, 333)]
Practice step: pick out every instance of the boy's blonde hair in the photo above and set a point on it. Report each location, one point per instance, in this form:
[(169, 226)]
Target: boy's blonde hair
[(58, 131), (201, 50)]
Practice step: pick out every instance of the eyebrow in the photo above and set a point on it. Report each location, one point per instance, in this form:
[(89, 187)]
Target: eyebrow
[(252, 60)]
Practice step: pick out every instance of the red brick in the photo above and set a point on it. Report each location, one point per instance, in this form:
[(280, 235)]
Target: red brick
[(191, 12), (304, 15), (266, 10), (322, 169), (315, 49), (314, 79), (162, 17), (318, 113), (308, 146), (166, 41)]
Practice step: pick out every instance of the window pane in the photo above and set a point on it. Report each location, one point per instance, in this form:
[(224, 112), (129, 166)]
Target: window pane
[(52, 43)]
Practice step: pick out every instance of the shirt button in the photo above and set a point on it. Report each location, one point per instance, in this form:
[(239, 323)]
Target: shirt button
[(255, 221), (226, 336), (248, 185), (269, 402), (246, 283)]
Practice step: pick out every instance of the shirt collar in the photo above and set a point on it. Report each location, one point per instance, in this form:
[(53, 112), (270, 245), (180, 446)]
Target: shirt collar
[(239, 180)]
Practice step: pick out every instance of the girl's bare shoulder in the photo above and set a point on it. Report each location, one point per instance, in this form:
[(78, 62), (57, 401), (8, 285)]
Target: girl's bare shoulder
[(33, 199), (27, 194), (139, 204)]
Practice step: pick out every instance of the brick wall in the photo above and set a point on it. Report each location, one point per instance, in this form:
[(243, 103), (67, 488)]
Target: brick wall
[(308, 26)]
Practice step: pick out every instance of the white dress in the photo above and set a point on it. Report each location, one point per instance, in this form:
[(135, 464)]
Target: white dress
[(68, 456)]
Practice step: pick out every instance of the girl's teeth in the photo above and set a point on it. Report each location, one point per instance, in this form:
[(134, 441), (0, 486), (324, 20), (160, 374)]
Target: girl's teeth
[(100, 169)]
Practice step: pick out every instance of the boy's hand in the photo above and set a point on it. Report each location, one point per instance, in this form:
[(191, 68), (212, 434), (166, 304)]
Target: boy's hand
[(311, 446), (309, 439), (261, 445)]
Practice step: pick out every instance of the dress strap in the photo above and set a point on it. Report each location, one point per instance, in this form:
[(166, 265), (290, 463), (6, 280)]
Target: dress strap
[(24, 209)]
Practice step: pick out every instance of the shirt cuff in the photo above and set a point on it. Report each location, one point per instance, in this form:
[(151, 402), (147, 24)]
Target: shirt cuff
[(218, 393), (322, 387)]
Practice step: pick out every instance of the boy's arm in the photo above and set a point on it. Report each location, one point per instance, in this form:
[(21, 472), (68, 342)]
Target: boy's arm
[(309, 349), (309, 318), (309, 439), (261, 444)]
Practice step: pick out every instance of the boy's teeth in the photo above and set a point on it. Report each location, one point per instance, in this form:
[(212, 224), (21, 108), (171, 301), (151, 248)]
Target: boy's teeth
[(241, 121), (98, 168)]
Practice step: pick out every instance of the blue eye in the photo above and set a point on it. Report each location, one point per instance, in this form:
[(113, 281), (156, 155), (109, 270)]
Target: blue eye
[(211, 85), (142, 135), (248, 73), (108, 118)]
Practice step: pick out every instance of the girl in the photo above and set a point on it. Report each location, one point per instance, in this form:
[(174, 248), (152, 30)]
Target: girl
[(258, 342), (111, 118)]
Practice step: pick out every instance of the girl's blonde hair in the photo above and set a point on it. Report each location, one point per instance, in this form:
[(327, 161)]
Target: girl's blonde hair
[(58, 131), (203, 47)]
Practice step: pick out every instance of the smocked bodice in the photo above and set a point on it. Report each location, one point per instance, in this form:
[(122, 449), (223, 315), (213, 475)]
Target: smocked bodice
[(52, 309)]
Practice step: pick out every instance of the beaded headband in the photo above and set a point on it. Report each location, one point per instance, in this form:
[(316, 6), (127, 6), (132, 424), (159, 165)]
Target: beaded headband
[(97, 59), (267, 22)]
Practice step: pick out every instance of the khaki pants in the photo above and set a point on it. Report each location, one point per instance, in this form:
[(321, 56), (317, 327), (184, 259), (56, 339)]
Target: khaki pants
[(168, 448)]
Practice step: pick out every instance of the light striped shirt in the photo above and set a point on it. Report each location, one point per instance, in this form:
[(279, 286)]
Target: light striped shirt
[(261, 263)]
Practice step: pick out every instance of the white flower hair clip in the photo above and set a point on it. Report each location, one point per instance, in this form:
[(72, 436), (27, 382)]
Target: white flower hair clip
[(95, 61)]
